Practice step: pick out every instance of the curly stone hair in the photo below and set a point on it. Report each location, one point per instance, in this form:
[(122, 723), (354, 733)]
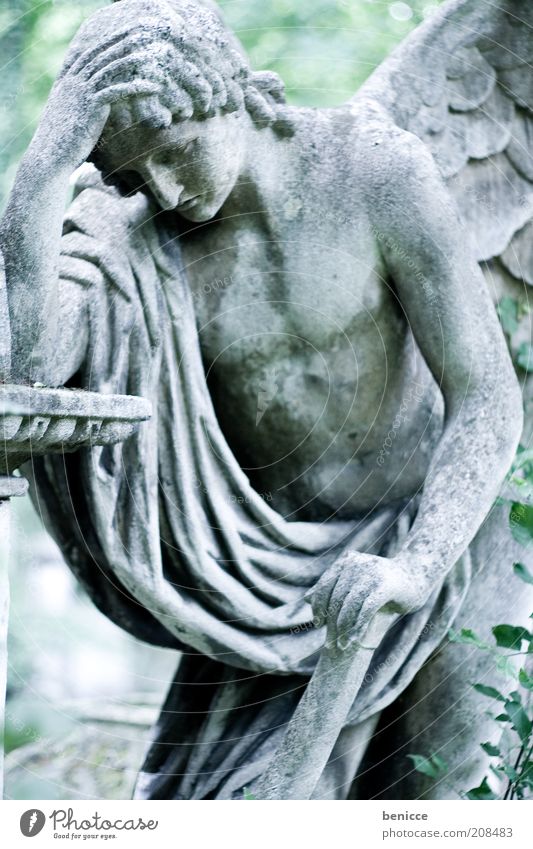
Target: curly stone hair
[(203, 66)]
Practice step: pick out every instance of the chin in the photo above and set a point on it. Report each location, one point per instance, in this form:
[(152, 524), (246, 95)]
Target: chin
[(201, 212)]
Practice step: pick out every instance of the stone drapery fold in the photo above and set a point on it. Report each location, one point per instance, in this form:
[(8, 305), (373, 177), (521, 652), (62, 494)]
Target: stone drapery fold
[(165, 531)]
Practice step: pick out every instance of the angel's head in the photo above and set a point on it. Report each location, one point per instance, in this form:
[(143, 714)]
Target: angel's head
[(185, 141)]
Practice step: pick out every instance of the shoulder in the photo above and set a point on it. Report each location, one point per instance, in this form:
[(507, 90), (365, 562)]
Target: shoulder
[(392, 163)]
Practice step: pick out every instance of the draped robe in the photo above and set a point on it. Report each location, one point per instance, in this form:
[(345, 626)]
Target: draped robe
[(171, 541)]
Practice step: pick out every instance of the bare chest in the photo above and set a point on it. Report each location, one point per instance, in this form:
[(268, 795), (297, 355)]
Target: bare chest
[(305, 351), (272, 294)]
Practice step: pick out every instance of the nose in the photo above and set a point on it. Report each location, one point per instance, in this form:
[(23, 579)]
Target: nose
[(163, 185)]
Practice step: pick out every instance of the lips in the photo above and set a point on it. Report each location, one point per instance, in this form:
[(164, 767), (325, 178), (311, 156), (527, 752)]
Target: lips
[(188, 203)]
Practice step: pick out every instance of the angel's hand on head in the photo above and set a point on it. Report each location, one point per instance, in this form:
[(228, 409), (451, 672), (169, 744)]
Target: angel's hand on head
[(92, 82)]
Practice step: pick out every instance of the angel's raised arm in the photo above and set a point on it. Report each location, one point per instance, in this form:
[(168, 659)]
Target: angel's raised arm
[(30, 231)]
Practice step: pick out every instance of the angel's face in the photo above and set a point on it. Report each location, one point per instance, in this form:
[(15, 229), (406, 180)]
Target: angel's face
[(190, 167)]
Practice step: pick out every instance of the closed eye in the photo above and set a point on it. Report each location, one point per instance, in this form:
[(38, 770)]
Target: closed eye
[(171, 154)]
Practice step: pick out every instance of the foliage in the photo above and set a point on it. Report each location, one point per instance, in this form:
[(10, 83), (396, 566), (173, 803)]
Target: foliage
[(511, 313), (512, 762)]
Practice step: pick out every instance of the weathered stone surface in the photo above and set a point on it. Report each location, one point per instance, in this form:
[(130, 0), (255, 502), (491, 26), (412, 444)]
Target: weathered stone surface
[(297, 294), (37, 421)]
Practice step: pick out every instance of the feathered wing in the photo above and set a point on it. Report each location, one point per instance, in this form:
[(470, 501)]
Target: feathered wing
[(463, 83)]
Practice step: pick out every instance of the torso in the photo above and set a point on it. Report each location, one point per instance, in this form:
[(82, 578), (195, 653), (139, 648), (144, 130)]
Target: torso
[(309, 359)]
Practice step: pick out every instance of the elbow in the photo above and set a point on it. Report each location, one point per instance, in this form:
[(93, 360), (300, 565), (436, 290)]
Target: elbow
[(495, 407), (504, 407)]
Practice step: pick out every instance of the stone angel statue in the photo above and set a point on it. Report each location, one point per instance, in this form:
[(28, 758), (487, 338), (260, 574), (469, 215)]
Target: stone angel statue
[(306, 296)]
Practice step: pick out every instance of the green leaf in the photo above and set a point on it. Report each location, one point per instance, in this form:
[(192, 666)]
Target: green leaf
[(523, 309), (524, 357), (509, 636), (525, 680), (483, 792), (490, 692), (502, 717), (526, 776), (491, 750), (248, 795), (519, 719), (440, 763), (467, 637), (508, 315), (505, 665), (523, 573), (521, 522), (509, 771), (434, 766)]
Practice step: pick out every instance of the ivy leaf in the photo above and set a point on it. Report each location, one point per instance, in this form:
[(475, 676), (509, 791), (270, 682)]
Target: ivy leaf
[(524, 357), (434, 766), (523, 309), (509, 636), (440, 763), (523, 573), (525, 680), (509, 771), (491, 750), (508, 315), (519, 719), (490, 692), (505, 665), (526, 776), (483, 792), (521, 522), (467, 637)]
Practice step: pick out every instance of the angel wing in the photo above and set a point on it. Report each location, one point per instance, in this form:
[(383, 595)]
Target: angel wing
[(463, 83)]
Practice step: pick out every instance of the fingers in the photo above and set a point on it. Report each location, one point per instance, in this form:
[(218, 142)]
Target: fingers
[(139, 43), (150, 112), (79, 57), (320, 595), (122, 91), (344, 611), (136, 66), (355, 618), (344, 586)]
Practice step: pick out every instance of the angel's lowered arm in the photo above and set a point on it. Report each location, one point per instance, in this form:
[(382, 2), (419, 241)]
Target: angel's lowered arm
[(448, 307)]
